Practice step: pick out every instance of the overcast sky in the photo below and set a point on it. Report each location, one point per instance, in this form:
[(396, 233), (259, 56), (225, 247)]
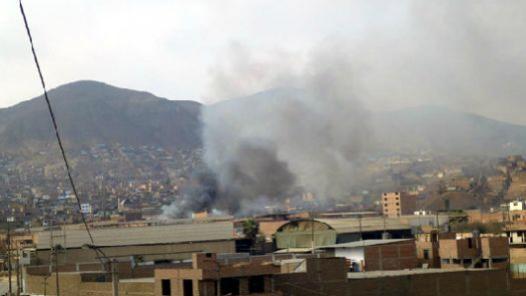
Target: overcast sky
[(467, 55)]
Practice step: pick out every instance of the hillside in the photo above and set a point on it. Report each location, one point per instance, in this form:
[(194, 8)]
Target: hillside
[(413, 130), (442, 130), (91, 112)]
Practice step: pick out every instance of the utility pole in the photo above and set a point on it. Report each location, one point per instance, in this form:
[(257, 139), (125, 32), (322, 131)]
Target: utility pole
[(360, 226), (45, 284), (112, 265), (18, 282), (312, 243), (9, 220), (55, 251), (114, 277)]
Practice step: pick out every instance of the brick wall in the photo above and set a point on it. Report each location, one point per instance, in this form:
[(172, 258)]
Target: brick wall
[(391, 256), (494, 247), (475, 283)]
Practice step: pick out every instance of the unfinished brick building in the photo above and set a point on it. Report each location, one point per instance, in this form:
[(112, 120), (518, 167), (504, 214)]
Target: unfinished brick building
[(396, 204), (472, 252)]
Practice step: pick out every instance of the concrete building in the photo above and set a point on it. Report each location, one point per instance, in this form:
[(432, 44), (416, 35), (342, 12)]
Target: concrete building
[(308, 276), (396, 204), (255, 275), (157, 243), (372, 255), (517, 205), (207, 275)]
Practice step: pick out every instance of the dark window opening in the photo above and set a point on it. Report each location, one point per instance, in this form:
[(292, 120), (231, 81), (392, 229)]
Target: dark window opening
[(166, 287), (256, 284), (229, 286), (470, 243), (188, 288), (426, 254)]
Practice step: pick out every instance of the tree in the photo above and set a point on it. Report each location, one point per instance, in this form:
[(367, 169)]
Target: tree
[(250, 229)]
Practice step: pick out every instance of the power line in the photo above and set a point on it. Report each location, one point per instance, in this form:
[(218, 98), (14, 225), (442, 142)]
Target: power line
[(54, 121)]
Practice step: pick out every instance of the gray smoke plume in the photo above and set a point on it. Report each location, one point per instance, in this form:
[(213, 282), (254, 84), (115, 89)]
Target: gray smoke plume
[(465, 55), (306, 134), (198, 195)]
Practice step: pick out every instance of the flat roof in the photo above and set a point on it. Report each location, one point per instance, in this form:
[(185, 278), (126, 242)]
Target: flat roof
[(354, 225), (365, 243), (148, 235), (391, 273)]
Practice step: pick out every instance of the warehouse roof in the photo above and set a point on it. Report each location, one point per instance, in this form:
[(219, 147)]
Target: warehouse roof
[(365, 243), (352, 225), (125, 236)]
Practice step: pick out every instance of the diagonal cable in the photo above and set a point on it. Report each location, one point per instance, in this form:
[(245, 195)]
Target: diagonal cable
[(54, 121)]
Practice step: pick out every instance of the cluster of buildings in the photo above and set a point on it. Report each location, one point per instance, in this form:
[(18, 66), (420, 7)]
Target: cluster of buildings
[(114, 181), (343, 253)]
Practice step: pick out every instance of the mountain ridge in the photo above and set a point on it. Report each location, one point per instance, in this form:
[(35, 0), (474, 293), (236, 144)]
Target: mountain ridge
[(91, 112)]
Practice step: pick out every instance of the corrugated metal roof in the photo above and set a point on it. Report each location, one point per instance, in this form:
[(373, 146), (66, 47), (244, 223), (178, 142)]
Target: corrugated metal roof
[(124, 236), (365, 243), (352, 225)]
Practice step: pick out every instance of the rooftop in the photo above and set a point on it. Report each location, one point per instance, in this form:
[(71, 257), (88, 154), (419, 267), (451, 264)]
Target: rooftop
[(162, 234), (390, 273), (365, 243), (352, 225)]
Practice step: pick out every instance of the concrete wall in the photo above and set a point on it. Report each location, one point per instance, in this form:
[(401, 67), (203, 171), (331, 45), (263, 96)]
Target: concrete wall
[(71, 285), (518, 255)]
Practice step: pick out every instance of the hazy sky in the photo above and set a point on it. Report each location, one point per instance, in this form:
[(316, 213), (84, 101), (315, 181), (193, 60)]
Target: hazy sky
[(468, 55)]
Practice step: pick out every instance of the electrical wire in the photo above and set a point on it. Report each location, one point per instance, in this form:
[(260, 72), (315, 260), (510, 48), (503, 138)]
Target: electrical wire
[(54, 122)]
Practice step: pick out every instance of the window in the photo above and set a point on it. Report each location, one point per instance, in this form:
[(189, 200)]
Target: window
[(426, 254), (397, 204), (166, 287), (256, 284), (385, 205), (470, 243), (229, 286), (188, 288)]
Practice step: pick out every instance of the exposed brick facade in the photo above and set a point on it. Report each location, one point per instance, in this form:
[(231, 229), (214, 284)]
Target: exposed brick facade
[(396, 204)]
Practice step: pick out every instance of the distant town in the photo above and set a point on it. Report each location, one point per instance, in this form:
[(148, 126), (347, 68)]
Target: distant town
[(445, 224)]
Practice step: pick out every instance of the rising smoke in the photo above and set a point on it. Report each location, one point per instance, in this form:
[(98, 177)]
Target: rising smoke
[(304, 133), (309, 123)]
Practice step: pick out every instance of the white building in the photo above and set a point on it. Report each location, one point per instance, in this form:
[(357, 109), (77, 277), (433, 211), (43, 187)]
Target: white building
[(517, 205), (86, 209)]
